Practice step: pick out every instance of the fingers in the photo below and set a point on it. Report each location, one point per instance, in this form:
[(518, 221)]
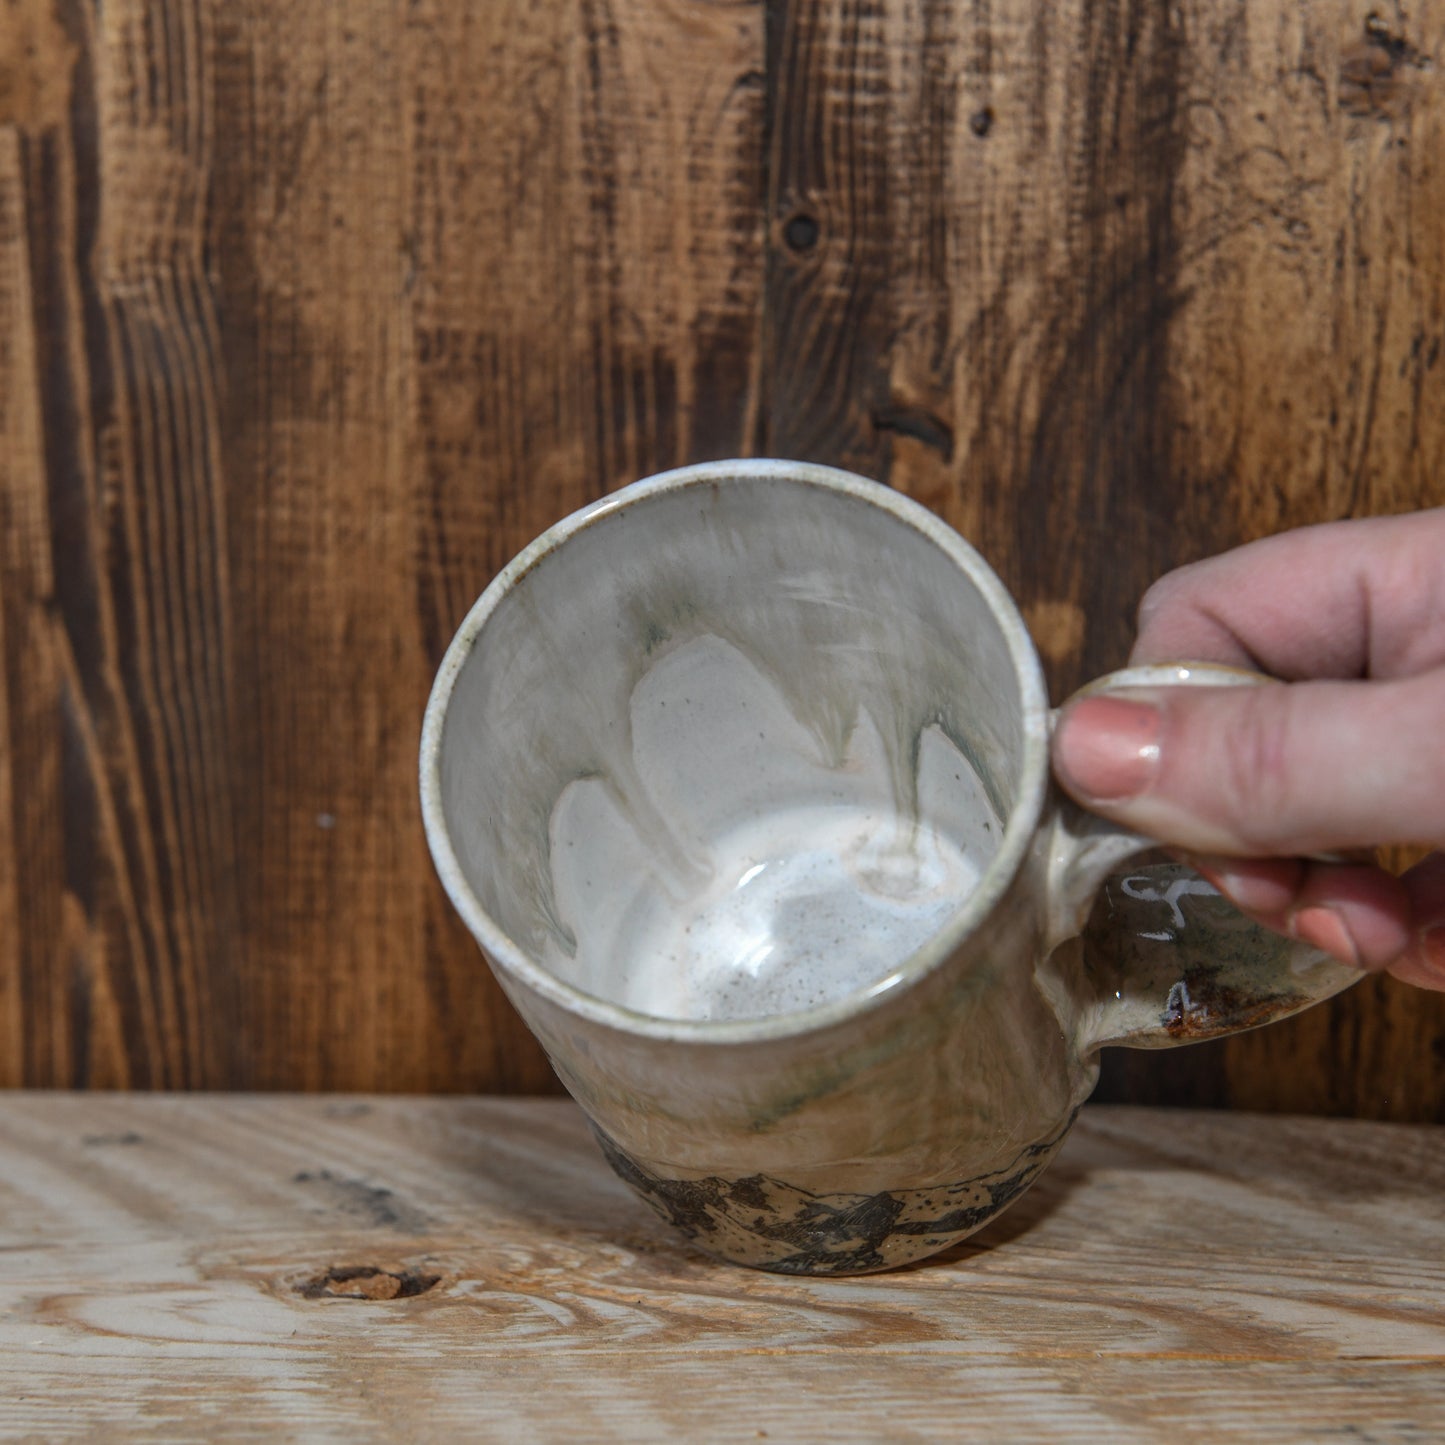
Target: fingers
[(1360, 915), (1423, 962), (1356, 913), (1270, 771), (1246, 779), (1344, 600)]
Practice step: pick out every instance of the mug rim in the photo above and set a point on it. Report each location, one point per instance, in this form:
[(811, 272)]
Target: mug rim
[(998, 877)]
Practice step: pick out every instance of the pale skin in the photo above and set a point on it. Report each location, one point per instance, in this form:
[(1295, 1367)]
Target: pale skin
[(1345, 753)]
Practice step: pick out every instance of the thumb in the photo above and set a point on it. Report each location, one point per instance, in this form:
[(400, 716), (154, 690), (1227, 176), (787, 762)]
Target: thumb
[(1275, 770)]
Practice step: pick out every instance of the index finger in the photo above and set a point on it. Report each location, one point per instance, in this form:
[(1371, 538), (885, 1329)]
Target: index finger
[(1340, 600)]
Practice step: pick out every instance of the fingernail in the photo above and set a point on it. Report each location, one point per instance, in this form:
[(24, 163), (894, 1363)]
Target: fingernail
[(1108, 747), (1264, 888), (1324, 928)]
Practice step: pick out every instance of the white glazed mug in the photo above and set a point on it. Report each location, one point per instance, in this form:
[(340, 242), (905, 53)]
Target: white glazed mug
[(740, 778)]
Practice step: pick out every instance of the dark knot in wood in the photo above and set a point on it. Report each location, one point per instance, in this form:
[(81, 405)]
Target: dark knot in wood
[(366, 1282), (1374, 72), (922, 426)]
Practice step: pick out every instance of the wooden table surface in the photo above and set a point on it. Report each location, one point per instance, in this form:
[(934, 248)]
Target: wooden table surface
[(217, 1267)]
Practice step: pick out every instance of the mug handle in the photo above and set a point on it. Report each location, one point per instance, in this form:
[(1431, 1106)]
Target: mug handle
[(1163, 959)]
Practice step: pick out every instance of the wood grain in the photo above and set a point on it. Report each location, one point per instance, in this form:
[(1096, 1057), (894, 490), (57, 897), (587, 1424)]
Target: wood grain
[(314, 315), (223, 1268)]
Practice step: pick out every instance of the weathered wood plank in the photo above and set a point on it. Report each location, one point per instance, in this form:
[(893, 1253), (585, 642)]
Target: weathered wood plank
[(310, 198), (326, 329), (583, 290), (226, 1267), (104, 982), (24, 641), (160, 458), (829, 323)]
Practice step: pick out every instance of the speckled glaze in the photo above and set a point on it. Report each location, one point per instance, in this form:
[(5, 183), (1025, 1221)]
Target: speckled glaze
[(740, 779)]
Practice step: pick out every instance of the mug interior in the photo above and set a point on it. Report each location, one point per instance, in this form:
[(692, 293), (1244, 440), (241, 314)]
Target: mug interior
[(746, 741)]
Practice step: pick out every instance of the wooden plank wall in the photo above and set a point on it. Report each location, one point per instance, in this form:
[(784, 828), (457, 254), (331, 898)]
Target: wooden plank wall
[(312, 314)]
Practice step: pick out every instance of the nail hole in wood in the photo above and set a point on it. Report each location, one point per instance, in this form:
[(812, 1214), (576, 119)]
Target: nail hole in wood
[(801, 232), (981, 121)]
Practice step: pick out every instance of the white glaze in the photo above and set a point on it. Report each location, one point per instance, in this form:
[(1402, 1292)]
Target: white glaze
[(762, 876), (804, 907)]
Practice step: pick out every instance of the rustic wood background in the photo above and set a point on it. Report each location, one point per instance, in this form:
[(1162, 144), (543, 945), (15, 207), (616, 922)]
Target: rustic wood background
[(312, 314)]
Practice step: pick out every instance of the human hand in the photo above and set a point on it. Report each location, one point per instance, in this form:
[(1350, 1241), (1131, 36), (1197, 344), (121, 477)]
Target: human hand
[(1346, 752)]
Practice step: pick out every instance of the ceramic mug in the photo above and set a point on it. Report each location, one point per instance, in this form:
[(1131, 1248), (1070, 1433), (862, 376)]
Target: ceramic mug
[(740, 778)]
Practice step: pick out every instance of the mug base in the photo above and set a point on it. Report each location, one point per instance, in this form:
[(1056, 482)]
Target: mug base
[(765, 1223)]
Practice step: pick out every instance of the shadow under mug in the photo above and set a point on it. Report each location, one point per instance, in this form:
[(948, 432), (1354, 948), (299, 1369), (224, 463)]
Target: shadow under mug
[(740, 778)]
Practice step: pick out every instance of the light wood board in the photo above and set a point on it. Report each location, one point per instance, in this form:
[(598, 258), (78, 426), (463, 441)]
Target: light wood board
[(206, 1268)]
